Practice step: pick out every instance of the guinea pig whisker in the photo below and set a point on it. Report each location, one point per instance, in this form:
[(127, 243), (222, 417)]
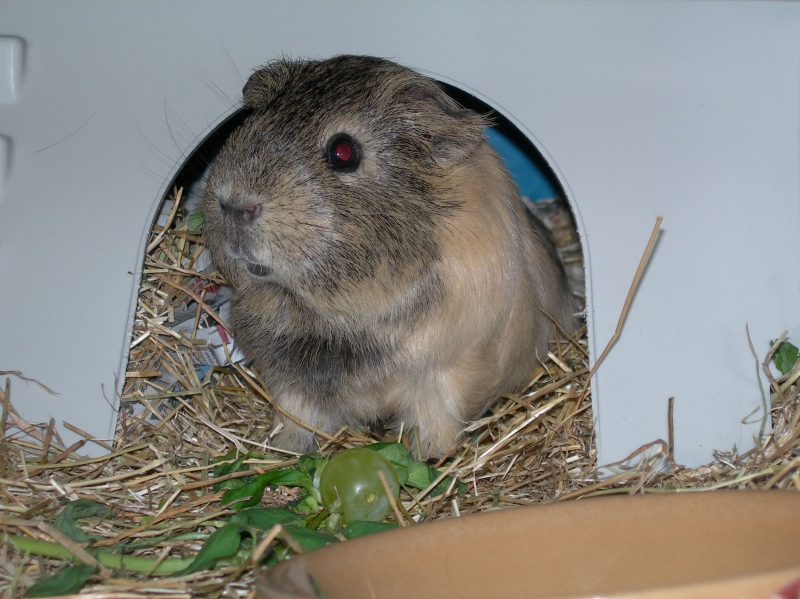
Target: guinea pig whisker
[(184, 123), (231, 59), (164, 154), (172, 131), (209, 80), (157, 175)]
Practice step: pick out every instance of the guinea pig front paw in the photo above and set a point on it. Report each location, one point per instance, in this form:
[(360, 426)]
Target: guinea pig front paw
[(434, 442), (293, 437)]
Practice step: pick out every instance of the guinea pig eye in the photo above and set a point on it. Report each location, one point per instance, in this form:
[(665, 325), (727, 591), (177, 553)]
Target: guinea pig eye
[(343, 154)]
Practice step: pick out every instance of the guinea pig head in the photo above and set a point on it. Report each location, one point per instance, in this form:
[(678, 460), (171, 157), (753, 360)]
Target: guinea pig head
[(329, 189)]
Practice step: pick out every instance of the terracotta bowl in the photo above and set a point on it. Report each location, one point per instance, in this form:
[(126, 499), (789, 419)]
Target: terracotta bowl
[(688, 545)]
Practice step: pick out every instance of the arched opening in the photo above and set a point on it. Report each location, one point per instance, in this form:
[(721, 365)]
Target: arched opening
[(181, 295)]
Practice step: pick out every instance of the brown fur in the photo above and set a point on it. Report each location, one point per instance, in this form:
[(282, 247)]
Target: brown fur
[(408, 288)]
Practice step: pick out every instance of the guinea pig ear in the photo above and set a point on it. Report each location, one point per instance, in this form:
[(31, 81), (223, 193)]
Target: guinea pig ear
[(455, 132), (265, 83)]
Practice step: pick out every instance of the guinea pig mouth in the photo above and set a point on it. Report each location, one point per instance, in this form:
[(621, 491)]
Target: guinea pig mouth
[(258, 270)]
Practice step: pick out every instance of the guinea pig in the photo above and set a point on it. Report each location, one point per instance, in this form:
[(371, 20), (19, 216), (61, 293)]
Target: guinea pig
[(384, 266)]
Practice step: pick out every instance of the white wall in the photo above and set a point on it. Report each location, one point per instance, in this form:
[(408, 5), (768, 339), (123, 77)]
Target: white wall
[(690, 110)]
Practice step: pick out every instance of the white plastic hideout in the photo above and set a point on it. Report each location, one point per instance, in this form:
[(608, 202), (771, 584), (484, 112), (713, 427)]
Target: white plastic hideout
[(689, 110)]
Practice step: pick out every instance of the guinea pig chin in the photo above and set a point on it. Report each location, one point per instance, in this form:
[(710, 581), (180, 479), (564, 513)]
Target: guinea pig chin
[(256, 266)]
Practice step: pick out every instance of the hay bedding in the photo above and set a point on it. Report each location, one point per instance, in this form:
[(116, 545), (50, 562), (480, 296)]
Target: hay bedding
[(141, 513)]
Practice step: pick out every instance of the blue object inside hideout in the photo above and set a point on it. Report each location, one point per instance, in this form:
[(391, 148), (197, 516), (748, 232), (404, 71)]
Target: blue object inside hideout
[(530, 180)]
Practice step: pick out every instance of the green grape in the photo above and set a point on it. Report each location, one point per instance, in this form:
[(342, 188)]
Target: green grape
[(352, 476)]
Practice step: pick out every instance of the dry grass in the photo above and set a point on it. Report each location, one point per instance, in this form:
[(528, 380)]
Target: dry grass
[(156, 480)]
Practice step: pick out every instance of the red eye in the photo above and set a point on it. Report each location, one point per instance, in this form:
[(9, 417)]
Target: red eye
[(343, 151), (343, 154)]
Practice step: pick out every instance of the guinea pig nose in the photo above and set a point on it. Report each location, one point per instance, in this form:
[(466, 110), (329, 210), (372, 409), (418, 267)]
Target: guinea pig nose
[(250, 212)]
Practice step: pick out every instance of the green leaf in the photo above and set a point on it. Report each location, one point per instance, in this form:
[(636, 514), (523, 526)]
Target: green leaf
[(396, 453), (264, 518), (225, 469), (109, 559), (333, 523), (66, 582), (289, 478), (223, 543), (295, 478), (359, 529), (82, 508), (402, 473), (458, 487), (311, 463), (316, 474), (250, 494), (420, 475), (224, 458), (235, 466), (785, 356), (306, 462), (194, 221), (398, 457), (231, 483), (308, 539), (307, 504)]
